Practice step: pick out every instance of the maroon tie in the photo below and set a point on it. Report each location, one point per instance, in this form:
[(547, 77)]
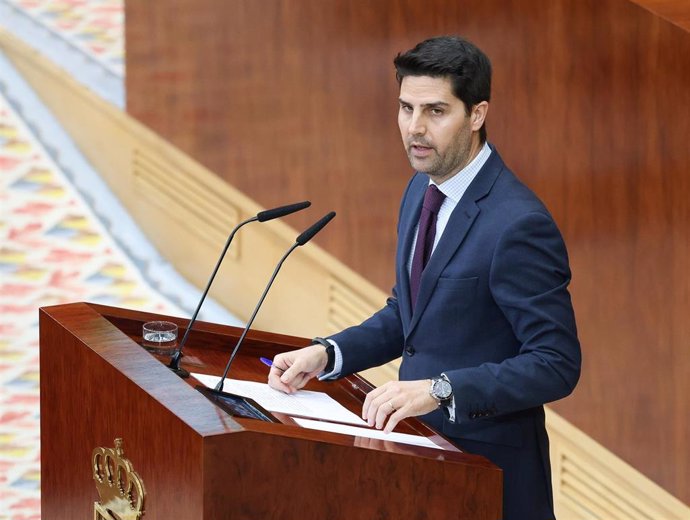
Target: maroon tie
[(433, 199)]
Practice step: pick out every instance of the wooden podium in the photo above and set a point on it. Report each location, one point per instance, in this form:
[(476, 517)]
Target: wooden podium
[(198, 462)]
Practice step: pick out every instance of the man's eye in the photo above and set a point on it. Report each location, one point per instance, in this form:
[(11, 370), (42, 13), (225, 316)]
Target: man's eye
[(437, 111), (406, 108)]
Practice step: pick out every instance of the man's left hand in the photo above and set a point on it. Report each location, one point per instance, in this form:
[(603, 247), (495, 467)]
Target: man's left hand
[(391, 403)]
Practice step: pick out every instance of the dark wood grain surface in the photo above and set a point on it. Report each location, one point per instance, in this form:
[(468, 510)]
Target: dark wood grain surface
[(197, 462), (675, 11), (590, 107)]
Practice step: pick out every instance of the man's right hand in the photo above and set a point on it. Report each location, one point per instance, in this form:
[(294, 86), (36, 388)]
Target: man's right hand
[(292, 370)]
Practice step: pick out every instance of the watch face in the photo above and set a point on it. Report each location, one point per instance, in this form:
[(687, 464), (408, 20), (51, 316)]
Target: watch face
[(442, 389)]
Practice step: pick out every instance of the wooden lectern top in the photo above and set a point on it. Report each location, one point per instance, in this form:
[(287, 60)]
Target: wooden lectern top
[(198, 462)]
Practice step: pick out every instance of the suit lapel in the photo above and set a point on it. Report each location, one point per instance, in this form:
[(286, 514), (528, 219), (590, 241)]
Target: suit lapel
[(460, 222), (408, 223)]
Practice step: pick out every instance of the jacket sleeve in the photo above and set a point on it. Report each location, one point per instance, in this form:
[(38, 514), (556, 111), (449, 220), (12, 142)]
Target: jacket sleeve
[(376, 341), (529, 279)]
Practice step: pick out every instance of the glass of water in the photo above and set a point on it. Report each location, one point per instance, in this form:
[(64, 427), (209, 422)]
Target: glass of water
[(159, 337)]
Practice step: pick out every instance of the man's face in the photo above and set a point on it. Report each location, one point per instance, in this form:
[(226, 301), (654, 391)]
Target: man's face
[(435, 129)]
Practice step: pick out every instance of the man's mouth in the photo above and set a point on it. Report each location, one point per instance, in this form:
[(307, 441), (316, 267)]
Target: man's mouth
[(420, 150)]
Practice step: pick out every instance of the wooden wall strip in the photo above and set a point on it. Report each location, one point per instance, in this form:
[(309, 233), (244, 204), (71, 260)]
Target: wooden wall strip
[(675, 11), (186, 203), (590, 483)]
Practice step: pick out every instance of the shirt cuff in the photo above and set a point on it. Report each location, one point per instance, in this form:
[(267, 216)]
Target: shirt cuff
[(449, 410), (337, 367)]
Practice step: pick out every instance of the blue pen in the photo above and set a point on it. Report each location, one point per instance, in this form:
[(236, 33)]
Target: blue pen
[(269, 363)]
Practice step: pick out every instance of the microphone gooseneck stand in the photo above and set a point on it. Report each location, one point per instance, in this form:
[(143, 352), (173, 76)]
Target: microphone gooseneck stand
[(262, 216), (244, 406)]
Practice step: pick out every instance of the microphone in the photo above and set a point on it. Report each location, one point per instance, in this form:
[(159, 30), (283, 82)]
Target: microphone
[(302, 239), (262, 216)]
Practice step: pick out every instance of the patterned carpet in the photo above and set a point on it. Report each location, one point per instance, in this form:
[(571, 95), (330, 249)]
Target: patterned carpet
[(53, 249), (84, 37), (94, 26)]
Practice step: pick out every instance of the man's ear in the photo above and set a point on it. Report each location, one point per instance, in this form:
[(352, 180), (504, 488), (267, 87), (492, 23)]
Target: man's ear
[(478, 115)]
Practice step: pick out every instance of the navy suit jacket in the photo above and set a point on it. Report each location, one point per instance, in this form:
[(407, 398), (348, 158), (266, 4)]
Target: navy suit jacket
[(494, 314)]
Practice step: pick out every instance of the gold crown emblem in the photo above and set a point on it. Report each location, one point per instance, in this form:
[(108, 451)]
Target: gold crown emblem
[(120, 488)]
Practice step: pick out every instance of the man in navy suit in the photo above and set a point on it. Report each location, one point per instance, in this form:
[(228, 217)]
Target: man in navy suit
[(480, 311)]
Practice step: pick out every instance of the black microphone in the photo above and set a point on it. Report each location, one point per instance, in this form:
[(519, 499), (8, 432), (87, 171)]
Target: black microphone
[(262, 216), (299, 241)]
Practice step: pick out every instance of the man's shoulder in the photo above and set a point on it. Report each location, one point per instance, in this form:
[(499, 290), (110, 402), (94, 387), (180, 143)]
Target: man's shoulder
[(509, 189), (510, 198)]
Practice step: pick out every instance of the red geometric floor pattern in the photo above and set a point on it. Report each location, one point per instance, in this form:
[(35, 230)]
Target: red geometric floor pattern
[(53, 250)]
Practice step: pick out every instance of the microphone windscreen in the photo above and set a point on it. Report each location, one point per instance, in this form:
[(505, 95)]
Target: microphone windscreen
[(314, 229), (270, 214)]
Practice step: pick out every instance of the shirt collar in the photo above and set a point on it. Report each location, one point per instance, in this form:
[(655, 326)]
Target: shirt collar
[(455, 187)]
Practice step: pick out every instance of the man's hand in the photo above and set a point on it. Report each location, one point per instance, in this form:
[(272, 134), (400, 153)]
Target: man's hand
[(292, 370), (397, 400)]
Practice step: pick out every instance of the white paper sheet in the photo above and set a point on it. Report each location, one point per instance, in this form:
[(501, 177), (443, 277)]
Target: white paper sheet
[(304, 403), (405, 438)]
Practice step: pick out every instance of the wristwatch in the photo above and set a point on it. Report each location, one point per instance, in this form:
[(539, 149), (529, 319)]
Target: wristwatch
[(441, 390), (330, 352)]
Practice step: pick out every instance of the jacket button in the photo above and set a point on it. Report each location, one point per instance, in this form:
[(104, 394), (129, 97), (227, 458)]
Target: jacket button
[(409, 350)]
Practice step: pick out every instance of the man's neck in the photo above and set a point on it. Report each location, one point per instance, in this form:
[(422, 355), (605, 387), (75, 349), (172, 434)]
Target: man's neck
[(475, 148)]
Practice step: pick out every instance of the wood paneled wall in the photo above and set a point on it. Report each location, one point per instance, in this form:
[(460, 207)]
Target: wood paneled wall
[(675, 11), (290, 99)]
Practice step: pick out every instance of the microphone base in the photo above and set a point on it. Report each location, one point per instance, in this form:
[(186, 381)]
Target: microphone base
[(183, 373), (237, 405), (175, 366)]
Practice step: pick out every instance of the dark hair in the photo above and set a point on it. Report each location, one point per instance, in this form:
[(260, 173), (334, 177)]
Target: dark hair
[(468, 68)]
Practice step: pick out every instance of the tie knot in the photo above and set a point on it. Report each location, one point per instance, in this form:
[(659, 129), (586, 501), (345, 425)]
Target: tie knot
[(433, 198)]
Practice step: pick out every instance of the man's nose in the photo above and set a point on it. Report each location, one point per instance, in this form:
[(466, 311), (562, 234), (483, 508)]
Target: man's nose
[(417, 125)]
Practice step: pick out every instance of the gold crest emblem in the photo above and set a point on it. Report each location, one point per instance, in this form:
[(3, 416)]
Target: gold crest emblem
[(120, 489)]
